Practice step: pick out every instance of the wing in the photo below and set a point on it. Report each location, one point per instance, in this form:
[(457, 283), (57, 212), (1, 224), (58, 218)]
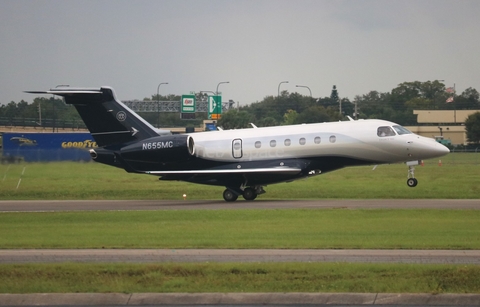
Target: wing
[(276, 170), (233, 177)]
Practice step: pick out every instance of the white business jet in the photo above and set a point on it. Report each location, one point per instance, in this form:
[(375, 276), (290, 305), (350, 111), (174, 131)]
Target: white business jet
[(242, 160)]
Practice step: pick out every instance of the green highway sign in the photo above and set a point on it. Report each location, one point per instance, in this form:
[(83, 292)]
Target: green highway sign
[(214, 107), (188, 103)]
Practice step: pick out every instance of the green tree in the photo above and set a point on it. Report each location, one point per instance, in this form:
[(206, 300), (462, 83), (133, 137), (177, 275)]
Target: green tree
[(290, 117), (314, 114), (235, 119), (418, 103), (468, 100), (348, 108), (472, 127), (334, 94), (268, 122)]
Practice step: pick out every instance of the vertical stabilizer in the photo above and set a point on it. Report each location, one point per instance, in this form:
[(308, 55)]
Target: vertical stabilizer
[(109, 121)]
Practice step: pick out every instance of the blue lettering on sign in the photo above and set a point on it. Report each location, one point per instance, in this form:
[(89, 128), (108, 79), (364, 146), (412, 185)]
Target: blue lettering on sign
[(157, 145)]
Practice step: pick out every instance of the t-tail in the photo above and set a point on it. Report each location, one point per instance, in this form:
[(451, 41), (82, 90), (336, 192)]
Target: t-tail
[(111, 123), (124, 139)]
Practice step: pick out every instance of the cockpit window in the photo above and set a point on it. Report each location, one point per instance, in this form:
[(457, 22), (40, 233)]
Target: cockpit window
[(385, 131), (401, 130)]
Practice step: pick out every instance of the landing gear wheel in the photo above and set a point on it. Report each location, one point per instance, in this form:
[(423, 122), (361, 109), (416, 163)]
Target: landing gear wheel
[(229, 195), (249, 194), (412, 182)]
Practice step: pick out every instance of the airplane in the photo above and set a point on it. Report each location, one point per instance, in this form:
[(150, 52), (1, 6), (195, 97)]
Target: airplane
[(244, 161)]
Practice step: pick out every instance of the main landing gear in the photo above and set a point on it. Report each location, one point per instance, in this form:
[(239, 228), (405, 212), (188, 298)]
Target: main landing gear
[(249, 193), (411, 180)]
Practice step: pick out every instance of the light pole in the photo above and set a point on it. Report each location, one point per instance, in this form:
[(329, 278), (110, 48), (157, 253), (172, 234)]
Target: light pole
[(305, 87), (279, 87), (223, 82), (219, 85), (158, 103)]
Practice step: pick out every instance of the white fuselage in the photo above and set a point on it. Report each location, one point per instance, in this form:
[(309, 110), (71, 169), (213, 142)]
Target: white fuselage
[(358, 140)]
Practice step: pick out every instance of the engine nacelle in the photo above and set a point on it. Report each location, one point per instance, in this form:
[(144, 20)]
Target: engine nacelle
[(102, 155), (170, 148)]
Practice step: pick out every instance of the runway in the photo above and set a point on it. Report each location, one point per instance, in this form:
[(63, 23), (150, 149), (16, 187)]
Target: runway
[(243, 255), (123, 205), (239, 255)]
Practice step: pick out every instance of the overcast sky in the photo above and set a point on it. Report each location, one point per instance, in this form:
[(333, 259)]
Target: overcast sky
[(132, 46)]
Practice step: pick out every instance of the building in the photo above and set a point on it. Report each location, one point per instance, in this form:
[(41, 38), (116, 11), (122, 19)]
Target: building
[(447, 123)]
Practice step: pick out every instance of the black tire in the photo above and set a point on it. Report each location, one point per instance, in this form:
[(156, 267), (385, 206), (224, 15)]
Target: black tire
[(229, 195), (412, 182), (249, 194)]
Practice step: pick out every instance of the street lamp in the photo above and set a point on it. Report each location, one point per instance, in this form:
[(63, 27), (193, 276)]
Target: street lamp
[(158, 103), (221, 83), (305, 87), (279, 86)]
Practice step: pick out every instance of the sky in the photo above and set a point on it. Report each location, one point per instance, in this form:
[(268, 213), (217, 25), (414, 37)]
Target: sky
[(133, 46)]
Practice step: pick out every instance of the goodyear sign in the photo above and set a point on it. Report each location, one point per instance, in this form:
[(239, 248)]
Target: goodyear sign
[(34, 147)]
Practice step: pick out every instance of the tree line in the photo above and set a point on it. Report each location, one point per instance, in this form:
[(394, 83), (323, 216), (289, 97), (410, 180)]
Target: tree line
[(287, 108), (396, 105)]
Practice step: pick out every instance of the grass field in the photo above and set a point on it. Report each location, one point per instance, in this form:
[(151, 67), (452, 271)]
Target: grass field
[(237, 229), (458, 177), (239, 277)]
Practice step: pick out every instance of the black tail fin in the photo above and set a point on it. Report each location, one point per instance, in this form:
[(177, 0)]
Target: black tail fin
[(110, 121)]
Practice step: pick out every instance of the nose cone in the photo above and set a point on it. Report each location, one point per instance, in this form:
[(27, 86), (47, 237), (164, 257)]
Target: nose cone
[(442, 149), (428, 148)]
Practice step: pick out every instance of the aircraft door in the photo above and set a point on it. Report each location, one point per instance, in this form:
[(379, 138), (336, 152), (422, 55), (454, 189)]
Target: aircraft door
[(237, 148)]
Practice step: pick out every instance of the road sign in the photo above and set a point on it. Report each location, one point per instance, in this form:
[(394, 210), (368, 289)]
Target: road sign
[(214, 107), (188, 103)]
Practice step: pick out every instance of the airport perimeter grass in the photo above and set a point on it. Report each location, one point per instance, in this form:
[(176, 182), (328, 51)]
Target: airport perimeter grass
[(285, 228), (239, 277), (244, 228), (457, 177)]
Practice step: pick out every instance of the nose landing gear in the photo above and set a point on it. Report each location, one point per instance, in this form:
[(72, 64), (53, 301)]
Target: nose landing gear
[(411, 180)]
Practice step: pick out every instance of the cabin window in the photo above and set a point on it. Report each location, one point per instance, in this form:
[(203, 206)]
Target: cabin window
[(302, 141), (317, 140), (385, 131), (332, 139), (401, 130), (273, 143), (288, 142), (258, 144)]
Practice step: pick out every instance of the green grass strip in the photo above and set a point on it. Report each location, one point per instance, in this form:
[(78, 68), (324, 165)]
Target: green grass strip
[(239, 277), (246, 228), (457, 178)]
